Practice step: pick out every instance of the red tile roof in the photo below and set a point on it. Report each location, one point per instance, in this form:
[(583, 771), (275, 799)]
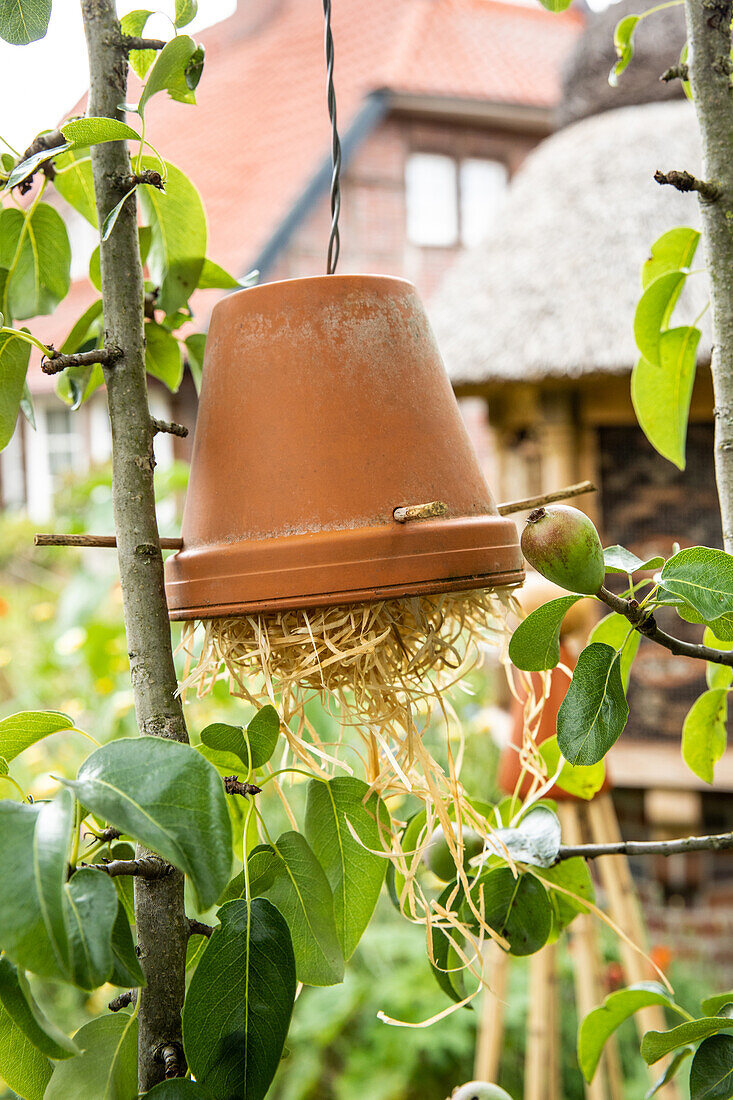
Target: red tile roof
[(260, 129)]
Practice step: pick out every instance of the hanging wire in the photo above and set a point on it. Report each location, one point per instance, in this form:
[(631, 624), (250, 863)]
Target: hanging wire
[(334, 241)]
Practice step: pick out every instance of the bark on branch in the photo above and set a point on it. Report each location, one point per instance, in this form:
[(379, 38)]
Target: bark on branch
[(132, 42), (170, 427), (160, 917), (720, 842), (684, 181), (646, 624), (232, 785), (55, 362), (149, 867)]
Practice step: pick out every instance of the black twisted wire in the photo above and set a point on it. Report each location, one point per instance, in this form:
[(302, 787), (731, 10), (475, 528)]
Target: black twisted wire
[(334, 241)]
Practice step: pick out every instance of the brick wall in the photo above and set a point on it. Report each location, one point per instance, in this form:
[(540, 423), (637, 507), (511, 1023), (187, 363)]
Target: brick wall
[(373, 215)]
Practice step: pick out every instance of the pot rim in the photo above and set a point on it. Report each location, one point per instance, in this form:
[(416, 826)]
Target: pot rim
[(349, 277)]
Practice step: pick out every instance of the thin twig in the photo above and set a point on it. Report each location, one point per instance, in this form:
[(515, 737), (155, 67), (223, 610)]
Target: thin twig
[(646, 624), (149, 867), (196, 928), (169, 426), (55, 362), (684, 181), (104, 541), (676, 72), (123, 1000), (430, 510), (232, 785), (569, 491), (132, 42), (43, 143), (720, 842)]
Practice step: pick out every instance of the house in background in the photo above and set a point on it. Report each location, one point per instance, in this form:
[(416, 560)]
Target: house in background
[(439, 102), (536, 328)]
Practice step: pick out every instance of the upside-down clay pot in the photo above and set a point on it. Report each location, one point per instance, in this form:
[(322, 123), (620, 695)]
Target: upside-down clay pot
[(324, 406)]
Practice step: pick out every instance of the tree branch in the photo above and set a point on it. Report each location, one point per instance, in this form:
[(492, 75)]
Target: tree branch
[(676, 72), (132, 42), (171, 1056), (646, 624), (160, 916), (720, 842), (196, 928), (683, 181), (169, 426), (44, 142), (148, 867), (123, 1000), (232, 785), (709, 36), (55, 362)]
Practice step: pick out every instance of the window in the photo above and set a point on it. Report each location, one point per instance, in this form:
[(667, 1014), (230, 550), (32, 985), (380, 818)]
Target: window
[(449, 201), (63, 442)]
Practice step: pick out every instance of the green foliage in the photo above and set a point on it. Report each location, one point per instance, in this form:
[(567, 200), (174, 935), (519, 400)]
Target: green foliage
[(22, 1065), (35, 252), (602, 1022), (656, 1044), (163, 358), (616, 631), (107, 1066), (126, 970), (19, 1004), (620, 560), (83, 132), (704, 578), (185, 12), (167, 797), (711, 1074), (354, 871), (594, 711), (535, 644), (674, 251), (172, 73), (623, 40), (14, 356), (19, 731), (518, 908), (74, 182), (133, 24), (231, 746), (234, 1023), (296, 884), (178, 236), (704, 733), (90, 909), (24, 21), (575, 886), (582, 782)]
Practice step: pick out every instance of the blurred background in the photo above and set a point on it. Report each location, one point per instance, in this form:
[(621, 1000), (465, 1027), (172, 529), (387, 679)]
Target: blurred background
[(487, 159)]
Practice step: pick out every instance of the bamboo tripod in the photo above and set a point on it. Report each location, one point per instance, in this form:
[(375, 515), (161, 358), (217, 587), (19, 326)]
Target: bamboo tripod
[(597, 821)]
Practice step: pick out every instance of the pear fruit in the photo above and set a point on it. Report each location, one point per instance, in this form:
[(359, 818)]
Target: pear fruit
[(438, 856), (563, 545)]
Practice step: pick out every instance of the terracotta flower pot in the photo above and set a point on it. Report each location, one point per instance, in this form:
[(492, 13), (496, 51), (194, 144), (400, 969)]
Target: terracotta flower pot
[(324, 406)]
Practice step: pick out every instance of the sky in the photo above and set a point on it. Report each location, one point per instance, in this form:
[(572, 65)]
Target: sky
[(37, 88)]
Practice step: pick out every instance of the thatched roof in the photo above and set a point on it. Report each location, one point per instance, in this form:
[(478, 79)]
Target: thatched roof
[(553, 290), (657, 44)]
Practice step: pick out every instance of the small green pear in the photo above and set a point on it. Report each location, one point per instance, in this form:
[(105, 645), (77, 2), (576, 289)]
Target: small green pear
[(563, 545), (438, 858)]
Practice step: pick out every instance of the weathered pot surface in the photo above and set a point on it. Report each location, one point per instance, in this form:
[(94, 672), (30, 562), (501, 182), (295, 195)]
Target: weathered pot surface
[(325, 405)]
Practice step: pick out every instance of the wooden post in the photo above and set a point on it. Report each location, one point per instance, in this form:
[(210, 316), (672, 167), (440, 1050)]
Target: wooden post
[(491, 1025)]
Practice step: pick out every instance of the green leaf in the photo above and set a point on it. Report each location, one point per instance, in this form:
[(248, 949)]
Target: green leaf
[(35, 842), (670, 1072), (620, 560), (447, 967), (517, 908), (623, 40), (26, 406), (185, 12), (91, 910), (238, 1006), (300, 892), (24, 21), (34, 248), (713, 1006), (95, 131), (722, 627), (19, 731), (76, 384), (87, 329), (535, 644), (27, 167), (600, 1024), (556, 5), (14, 355), (214, 276), (653, 312), (582, 782), (614, 630), (711, 1073), (126, 969), (262, 734), (110, 220), (169, 73), (167, 797), (163, 357), (22, 1066), (133, 24), (195, 346), (535, 840), (107, 1068), (661, 395), (179, 1089), (673, 251), (354, 872), (594, 712), (704, 733), (656, 1044), (75, 183), (178, 236), (704, 577), (573, 875), (17, 1001)]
